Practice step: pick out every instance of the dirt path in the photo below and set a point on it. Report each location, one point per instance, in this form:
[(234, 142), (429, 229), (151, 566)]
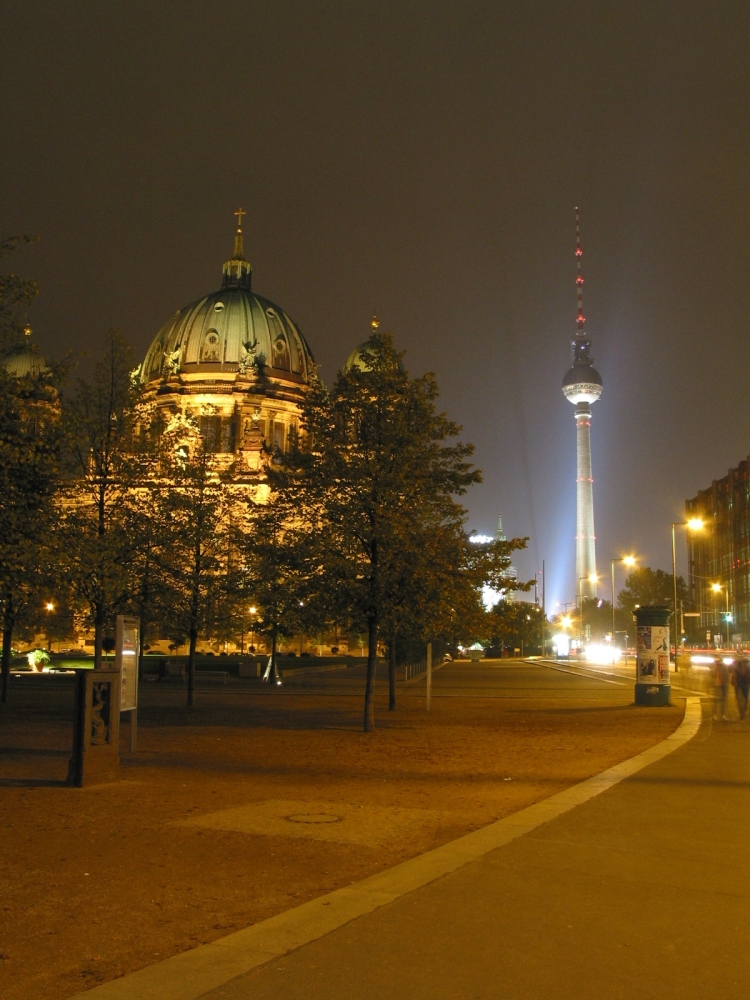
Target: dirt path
[(257, 802)]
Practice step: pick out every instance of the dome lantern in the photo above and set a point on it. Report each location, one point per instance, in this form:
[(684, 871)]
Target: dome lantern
[(237, 271)]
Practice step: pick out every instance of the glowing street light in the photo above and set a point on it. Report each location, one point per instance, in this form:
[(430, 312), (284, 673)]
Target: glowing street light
[(692, 524), (717, 589), (49, 606), (626, 561)]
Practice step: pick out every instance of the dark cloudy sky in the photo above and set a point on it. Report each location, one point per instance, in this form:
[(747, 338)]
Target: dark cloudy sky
[(421, 159)]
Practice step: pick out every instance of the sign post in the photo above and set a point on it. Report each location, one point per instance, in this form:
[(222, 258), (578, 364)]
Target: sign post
[(652, 679), (127, 650)]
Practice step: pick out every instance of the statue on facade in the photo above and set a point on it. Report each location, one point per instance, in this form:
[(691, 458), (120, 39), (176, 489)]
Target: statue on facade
[(248, 360), (172, 360)]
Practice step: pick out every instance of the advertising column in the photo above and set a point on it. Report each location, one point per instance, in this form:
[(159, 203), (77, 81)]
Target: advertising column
[(652, 678)]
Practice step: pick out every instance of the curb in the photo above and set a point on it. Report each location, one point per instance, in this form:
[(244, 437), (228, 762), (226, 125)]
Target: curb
[(194, 973)]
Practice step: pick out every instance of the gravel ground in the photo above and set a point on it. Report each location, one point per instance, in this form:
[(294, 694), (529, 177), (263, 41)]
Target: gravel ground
[(260, 799)]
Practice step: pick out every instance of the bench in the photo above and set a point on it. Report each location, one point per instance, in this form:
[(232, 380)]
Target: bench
[(213, 676)]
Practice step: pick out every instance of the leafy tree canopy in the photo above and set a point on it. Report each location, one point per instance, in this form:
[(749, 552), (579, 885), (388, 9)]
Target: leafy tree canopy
[(650, 586)]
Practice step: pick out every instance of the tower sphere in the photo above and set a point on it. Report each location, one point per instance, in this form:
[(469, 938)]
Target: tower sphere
[(582, 383)]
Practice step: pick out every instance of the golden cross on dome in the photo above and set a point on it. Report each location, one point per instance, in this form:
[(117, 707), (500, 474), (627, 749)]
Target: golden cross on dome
[(238, 248)]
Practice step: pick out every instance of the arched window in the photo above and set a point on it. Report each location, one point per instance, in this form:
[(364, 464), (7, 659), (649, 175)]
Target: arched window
[(280, 354), (210, 350)]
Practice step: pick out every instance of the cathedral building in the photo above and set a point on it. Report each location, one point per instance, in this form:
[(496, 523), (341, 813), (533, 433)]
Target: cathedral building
[(237, 364)]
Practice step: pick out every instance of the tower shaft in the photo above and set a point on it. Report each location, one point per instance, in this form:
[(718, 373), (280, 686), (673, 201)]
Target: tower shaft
[(585, 538)]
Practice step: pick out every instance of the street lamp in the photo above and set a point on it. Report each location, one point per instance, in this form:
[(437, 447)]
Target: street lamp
[(591, 578), (717, 588), (626, 561), (693, 524)]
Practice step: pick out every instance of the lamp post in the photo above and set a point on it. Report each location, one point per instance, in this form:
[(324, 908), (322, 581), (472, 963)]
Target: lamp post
[(694, 524), (626, 561), (717, 588), (49, 607), (591, 578)]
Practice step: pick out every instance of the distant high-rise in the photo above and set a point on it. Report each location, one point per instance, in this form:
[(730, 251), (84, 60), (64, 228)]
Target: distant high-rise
[(582, 385)]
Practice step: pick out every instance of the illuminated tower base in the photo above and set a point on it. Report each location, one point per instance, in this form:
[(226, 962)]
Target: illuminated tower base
[(585, 539)]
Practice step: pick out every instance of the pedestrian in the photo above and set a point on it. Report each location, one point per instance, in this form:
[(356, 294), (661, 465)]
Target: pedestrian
[(721, 683), (741, 681)]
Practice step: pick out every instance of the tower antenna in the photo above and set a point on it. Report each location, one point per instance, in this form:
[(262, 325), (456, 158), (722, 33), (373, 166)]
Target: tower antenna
[(580, 319)]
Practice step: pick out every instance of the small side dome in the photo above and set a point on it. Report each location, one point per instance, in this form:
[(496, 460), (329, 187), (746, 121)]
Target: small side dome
[(24, 359), (355, 359)]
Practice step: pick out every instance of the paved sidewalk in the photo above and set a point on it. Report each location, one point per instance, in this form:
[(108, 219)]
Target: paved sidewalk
[(641, 891), (644, 891)]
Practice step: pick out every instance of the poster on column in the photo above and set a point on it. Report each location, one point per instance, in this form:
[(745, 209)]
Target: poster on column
[(652, 665)]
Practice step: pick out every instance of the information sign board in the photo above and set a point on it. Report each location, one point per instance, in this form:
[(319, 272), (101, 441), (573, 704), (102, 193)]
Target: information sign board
[(127, 648)]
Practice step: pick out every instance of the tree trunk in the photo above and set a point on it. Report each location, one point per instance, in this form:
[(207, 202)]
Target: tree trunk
[(98, 635), (191, 667), (372, 655), (392, 674), (7, 651)]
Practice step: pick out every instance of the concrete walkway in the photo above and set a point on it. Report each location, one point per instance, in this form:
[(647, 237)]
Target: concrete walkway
[(643, 891), (633, 884)]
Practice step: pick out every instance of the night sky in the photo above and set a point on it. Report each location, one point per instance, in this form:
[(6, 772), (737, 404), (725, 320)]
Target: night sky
[(422, 160)]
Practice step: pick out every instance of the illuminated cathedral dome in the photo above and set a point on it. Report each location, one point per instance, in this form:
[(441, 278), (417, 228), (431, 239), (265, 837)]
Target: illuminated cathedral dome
[(234, 362), (231, 335), (24, 358)]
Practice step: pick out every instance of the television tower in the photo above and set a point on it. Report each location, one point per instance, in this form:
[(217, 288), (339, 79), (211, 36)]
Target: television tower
[(582, 385)]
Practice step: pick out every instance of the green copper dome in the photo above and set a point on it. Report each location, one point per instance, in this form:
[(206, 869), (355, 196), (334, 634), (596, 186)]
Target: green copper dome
[(24, 358), (230, 333)]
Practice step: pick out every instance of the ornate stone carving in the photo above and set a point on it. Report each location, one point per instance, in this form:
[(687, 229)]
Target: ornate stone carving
[(172, 360), (248, 360), (100, 712)]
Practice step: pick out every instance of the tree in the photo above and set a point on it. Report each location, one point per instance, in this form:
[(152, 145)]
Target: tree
[(29, 450), (650, 586), (273, 566), (104, 469), (518, 625), (15, 293), (191, 501), (371, 469)]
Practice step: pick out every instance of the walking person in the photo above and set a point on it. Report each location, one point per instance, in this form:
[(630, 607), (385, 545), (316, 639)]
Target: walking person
[(721, 683), (741, 681)]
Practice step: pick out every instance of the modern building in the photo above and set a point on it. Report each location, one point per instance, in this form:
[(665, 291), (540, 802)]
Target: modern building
[(582, 386), (719, 558)]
